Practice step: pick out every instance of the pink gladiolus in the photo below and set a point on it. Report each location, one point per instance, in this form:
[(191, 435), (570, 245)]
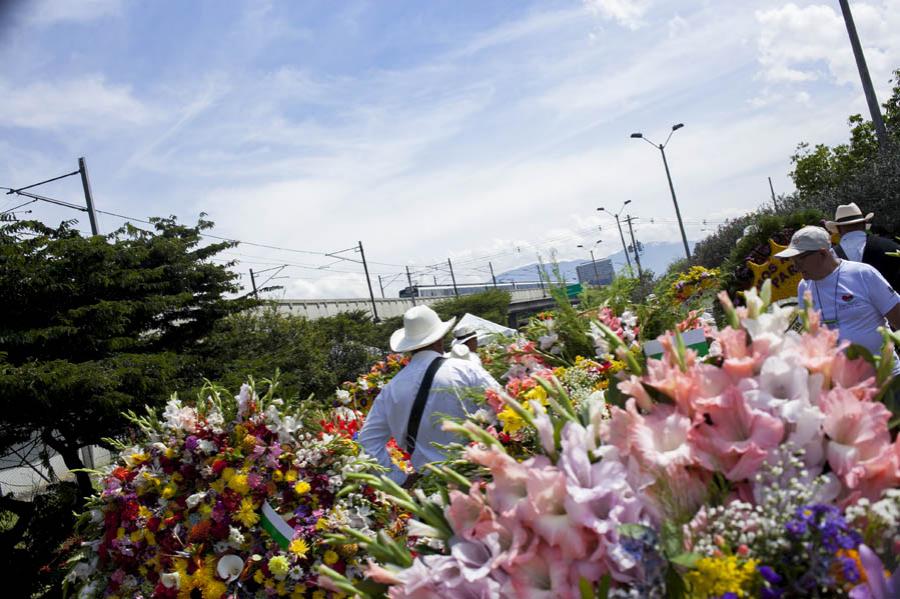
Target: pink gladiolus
[(735, 439), (859, 447), (856, 375)]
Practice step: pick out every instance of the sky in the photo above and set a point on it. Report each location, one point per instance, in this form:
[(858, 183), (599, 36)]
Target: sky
[(472, 130)]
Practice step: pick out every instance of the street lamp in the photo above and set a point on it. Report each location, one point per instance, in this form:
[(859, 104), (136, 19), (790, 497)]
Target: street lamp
[(618, 224), (593, 261), (662, 150)]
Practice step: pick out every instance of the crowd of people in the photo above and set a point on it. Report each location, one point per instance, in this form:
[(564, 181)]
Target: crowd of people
[(851, 283)]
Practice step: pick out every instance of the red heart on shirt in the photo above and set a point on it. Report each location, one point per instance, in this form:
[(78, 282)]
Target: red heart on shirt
[(847, 297)]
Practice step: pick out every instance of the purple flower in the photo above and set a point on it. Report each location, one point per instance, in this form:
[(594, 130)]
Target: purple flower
[(877, 586), (191, 443), (769, 574)]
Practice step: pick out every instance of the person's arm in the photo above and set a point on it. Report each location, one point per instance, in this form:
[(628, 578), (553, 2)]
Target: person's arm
[(893, 317), (375, 434), (882, 296)]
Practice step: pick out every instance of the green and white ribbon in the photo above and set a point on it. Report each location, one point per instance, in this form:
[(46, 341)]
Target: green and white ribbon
[(275, 525), (694, 339)]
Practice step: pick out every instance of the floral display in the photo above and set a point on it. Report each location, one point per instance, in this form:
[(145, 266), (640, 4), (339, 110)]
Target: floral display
[(767, 470), (694, 282), (361, 393), (226, 497)]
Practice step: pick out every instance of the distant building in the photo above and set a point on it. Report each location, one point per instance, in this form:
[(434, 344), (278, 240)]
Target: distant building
[(596, 273)]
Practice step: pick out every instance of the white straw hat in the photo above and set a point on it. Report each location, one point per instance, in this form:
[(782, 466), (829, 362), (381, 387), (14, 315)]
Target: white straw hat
[(421, 327), (847, 214)]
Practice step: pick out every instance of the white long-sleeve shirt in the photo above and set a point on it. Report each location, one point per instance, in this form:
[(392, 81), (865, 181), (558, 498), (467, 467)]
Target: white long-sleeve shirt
[(854, 244), (389, 415)]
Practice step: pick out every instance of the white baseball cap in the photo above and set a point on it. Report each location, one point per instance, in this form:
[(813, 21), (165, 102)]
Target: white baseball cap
[(807, 239)]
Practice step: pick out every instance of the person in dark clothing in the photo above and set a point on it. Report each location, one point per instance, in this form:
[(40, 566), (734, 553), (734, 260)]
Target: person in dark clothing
[(858, 246)]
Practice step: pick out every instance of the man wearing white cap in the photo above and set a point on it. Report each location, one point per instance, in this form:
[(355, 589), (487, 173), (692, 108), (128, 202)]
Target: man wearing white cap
[(852, 297), (465, 344), (856, 245), (428, 387)]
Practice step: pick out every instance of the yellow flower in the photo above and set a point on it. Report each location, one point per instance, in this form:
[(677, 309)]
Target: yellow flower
[(538, 393), (247, 513), (258, 577), (281, 589), (218, 486), (299, 592), (290, 476), (136, 536), (170, 452), (298, 547), (302, 487), (169, 491), (120, 533), (715, 576), (214, 589), (278, 476), (143, 512), (321, 524), (330, 557), (512, 423), (239, 483), (279, 566), (319, 594), (227, 473), (249, 442), (149, 536)]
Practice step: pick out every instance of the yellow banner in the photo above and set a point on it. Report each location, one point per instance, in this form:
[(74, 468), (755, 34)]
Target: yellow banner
[(782, 273)]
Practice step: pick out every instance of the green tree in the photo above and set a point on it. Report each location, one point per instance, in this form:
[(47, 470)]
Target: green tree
[(313, 356), (92, 326), (491, 305), (856, 171)]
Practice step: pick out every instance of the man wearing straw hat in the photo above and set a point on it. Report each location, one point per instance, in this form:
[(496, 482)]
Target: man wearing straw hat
[(857, 246), (852, 297), (429, 387)]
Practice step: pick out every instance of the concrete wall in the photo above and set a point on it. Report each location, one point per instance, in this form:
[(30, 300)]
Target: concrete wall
[(320, 308)]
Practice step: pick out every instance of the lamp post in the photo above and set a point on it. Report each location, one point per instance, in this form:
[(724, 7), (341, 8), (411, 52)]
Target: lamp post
[(618, 224), (662, 150), (593, 261)]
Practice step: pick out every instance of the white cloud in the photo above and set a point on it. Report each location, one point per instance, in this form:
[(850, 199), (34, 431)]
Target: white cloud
[(627, 13), (806, 43), (49, 12), (79, 103)]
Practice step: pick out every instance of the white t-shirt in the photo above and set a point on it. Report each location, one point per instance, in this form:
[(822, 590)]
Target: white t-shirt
[(853, 299)]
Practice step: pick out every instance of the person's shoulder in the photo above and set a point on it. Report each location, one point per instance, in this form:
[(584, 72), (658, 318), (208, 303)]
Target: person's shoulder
[(852, 267), (882, 242)]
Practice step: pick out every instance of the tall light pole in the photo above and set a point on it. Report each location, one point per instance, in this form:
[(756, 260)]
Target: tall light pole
[(593, 261), (871, 100), (662, 150), (618, 224)]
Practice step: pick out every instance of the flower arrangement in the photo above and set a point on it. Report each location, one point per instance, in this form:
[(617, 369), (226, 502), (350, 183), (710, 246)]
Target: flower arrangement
[(360, 394), (694, 282), (774, 453), (225, 497)]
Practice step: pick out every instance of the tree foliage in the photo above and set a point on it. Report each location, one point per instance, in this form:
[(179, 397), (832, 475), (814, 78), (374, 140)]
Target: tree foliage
[(313, 356), (856, 171), (92, 326), (491, 305)]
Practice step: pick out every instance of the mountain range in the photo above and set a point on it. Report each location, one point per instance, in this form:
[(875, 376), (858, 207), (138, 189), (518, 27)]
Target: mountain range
[(656, 256)]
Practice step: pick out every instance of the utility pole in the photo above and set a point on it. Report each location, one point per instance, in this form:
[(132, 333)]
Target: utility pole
[(871, 100), (453, 278), (493, 278), (687, 250), (594, 262), (362, 255), (634, 246), (381, 286), (253, 282), (88, 197), (412, 292), (772, 189), (622, 237)]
